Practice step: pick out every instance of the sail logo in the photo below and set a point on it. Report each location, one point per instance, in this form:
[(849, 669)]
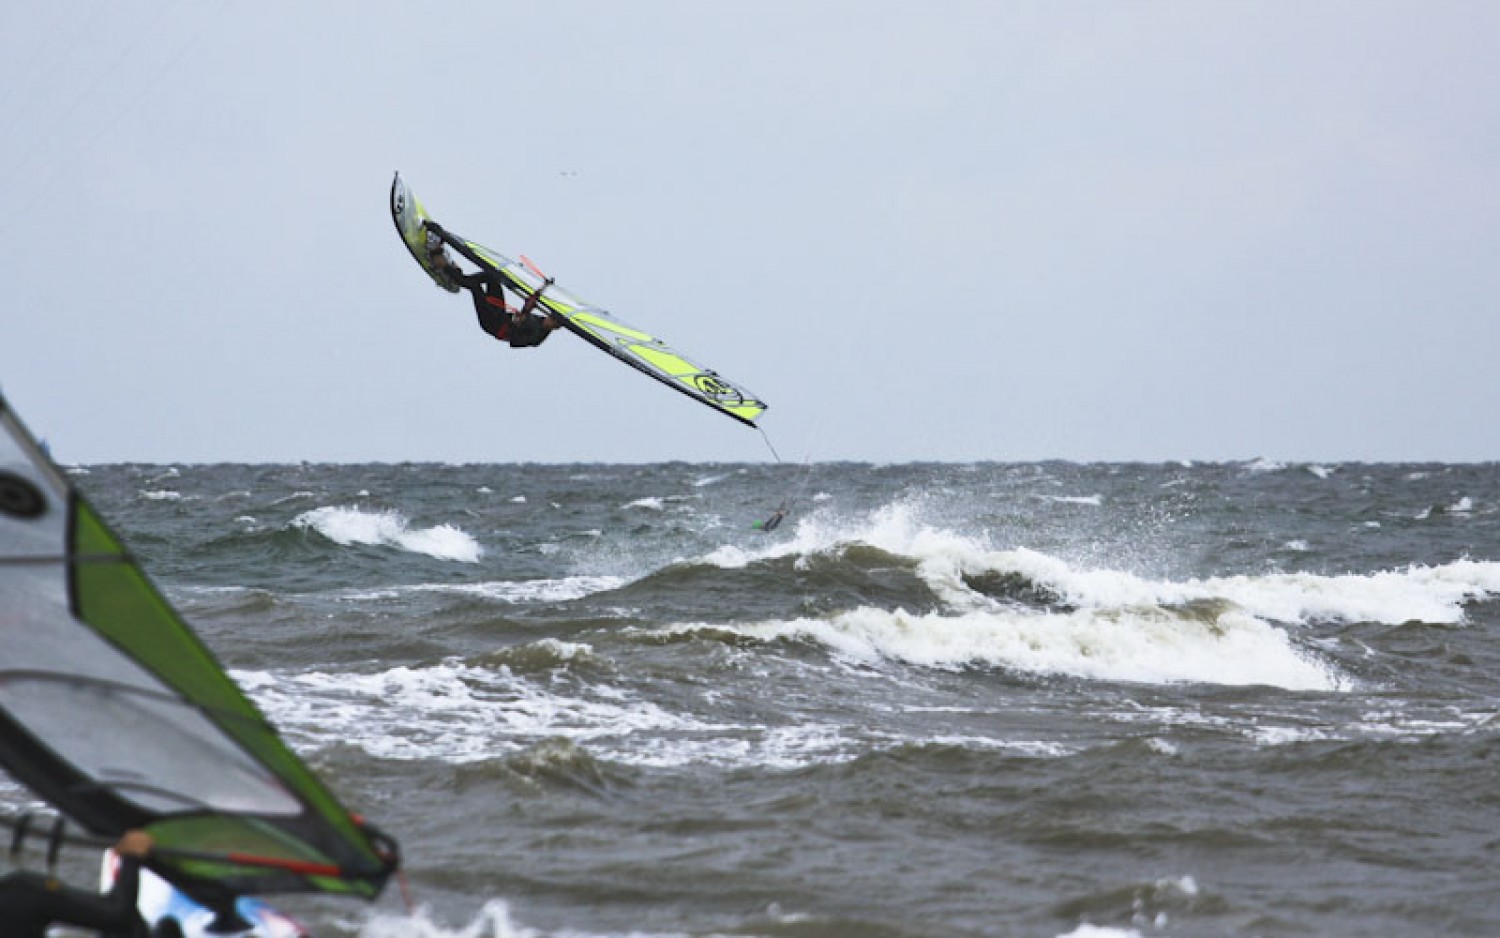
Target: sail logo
[(717, 389), (19, 498)]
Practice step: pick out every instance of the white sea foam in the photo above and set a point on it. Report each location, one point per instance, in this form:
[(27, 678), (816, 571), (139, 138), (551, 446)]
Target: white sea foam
[(457, 712), (1426, 594), (349, 526), (1430, 594), (563, 589), (1375, 725), (1094, 500), (1146, 911), (1146, 644), (1263, 465), (653, 503), (1085, 930), (494, 920), (730, 557), (161, 495)]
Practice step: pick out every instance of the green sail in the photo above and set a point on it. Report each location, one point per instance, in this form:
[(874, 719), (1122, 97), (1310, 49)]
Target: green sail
[(113, 711)]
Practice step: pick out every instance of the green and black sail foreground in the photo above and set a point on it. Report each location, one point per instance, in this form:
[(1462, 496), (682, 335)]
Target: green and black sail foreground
[(114, 712)]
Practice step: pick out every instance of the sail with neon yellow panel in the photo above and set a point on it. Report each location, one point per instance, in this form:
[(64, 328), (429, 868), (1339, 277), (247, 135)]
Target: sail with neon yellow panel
[(635, 347)]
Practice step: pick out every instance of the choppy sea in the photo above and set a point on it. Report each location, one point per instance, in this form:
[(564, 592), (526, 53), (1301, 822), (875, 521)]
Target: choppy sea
[(939, 700)]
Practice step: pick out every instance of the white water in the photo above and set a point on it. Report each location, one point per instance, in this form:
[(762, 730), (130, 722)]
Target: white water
[(349, 526)]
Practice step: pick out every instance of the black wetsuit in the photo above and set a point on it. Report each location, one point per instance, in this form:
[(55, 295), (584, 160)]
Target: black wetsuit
[(489, 304), (29, 902)]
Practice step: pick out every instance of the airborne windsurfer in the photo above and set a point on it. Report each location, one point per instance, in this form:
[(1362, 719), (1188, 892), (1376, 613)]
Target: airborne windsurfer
[(522, 328), (429, 244), (29, 901)]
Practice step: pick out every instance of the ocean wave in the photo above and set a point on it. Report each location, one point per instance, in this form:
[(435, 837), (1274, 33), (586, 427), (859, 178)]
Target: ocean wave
[(161, 495), (1154, 645), (350, 526), (1428, 594), (540, 656), (968, 604), (969, 574)]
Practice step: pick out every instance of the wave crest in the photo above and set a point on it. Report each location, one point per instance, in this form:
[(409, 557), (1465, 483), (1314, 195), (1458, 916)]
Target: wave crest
[(350, 526)]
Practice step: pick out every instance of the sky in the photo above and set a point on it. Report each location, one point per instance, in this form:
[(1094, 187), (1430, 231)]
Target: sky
[(952, 231)]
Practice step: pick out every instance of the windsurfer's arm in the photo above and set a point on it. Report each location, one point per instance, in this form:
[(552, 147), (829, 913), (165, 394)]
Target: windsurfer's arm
[(548, 322), (533, 299), (131, 851)]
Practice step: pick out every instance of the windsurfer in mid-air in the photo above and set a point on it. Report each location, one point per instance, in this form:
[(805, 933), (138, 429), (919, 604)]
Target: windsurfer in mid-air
[(29, 901), (522, 327)]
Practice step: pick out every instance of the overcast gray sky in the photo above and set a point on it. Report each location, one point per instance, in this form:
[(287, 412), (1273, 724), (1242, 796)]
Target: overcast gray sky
[(950, 231)]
